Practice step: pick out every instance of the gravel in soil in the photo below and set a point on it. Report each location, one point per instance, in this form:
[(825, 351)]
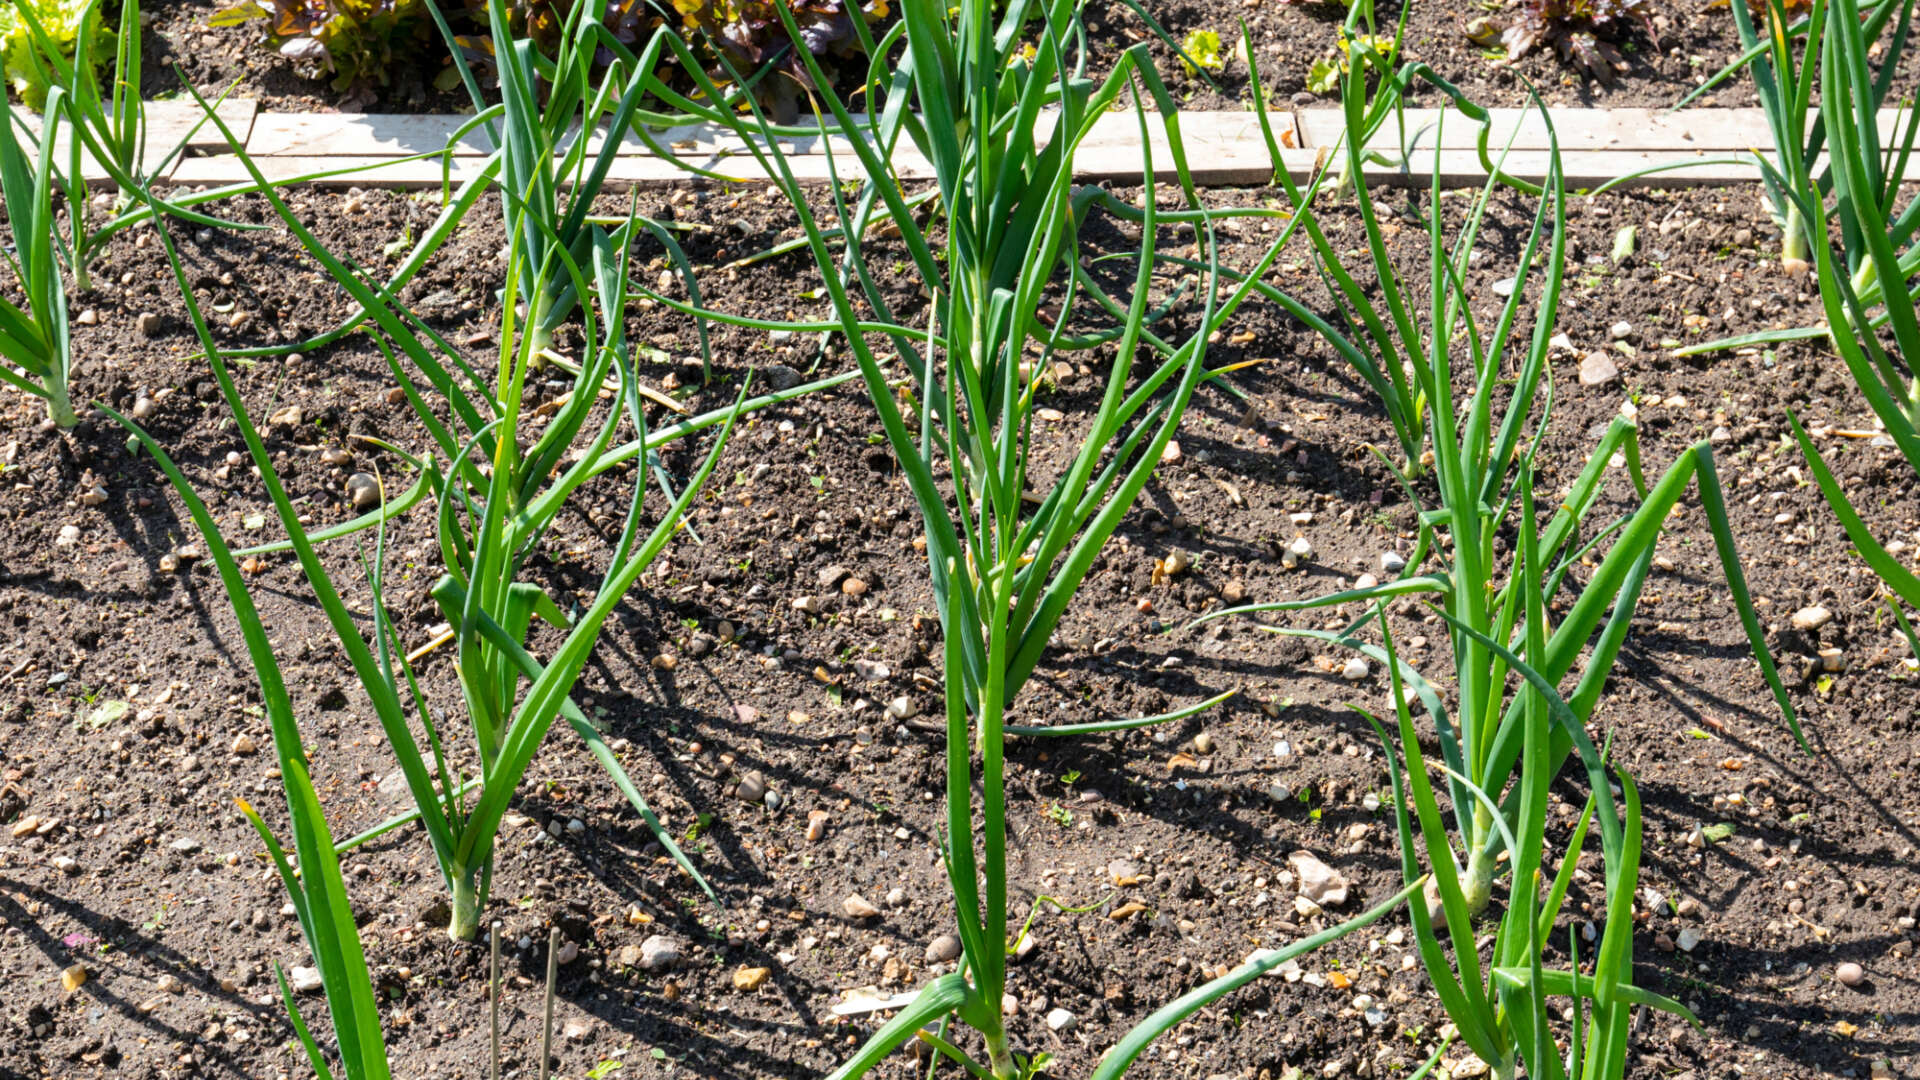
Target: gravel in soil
[(128, 717)]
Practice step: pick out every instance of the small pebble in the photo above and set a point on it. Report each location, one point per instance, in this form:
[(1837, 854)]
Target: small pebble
[(753, 787), (1850, 974), (659, 953), (305, 980), (1811, 618), (1597, 369), (750, 978), (364, 491), (1297, 552)]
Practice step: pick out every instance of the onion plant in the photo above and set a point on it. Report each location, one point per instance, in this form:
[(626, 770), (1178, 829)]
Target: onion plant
[(1525, 601), (498, 476), (36, 348), (1008, 544), (559, 127), (1800, 125), (1858, 237), (1875, 245), (1381, 340)]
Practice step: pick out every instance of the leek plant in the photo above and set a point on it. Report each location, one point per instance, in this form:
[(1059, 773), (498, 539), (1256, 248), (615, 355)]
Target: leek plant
[(1007, 544), (1865, 259), (36, 347), (1856, 187), (1802, 127), (1507, 586), (1875, 244), (498, 476), (1382, 341)]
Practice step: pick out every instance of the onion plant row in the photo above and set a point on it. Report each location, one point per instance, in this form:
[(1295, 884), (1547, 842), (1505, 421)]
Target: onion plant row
[(1534, 591), (81, 132)]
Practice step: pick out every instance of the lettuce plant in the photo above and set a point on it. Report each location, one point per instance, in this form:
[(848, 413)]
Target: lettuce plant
[(60, 19), (357, 41), (1579, 30)]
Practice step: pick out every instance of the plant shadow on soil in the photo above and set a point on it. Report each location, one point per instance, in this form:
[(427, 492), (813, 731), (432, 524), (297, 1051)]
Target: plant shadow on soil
[(1211, 850)]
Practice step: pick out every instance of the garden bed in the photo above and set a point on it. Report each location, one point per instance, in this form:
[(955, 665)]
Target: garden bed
[(1678, 45), (168, 904)]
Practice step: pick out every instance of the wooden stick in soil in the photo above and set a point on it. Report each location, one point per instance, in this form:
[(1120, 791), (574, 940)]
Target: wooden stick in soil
[(493, 977), (546, 1012)]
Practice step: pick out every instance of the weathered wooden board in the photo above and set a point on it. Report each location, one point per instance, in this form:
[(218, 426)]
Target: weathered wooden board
[(1220, 148), (370, 135), (362, 135), (1583, 169), (379, 171), (1579, 129), (1706, 146)]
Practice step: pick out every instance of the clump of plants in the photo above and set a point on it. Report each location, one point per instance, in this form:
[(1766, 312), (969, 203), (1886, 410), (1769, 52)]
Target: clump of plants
[(1470, 400), (36, 349), (1583, 32), (1837, 178), (1009, 539), (60, 22), (359, 43)]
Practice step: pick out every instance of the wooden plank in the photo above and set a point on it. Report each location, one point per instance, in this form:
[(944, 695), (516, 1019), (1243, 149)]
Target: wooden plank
[(367, 135), (1223, 148), (1583, 169), (168, 122), (627, 172), (1736, 130)]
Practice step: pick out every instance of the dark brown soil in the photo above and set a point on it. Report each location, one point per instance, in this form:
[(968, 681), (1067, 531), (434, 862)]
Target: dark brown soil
[(1818, 868)]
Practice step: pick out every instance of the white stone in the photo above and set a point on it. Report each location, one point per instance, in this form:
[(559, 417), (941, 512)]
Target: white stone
[(659, 953), (1319, 882), (1811, 618), (304, 980)]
